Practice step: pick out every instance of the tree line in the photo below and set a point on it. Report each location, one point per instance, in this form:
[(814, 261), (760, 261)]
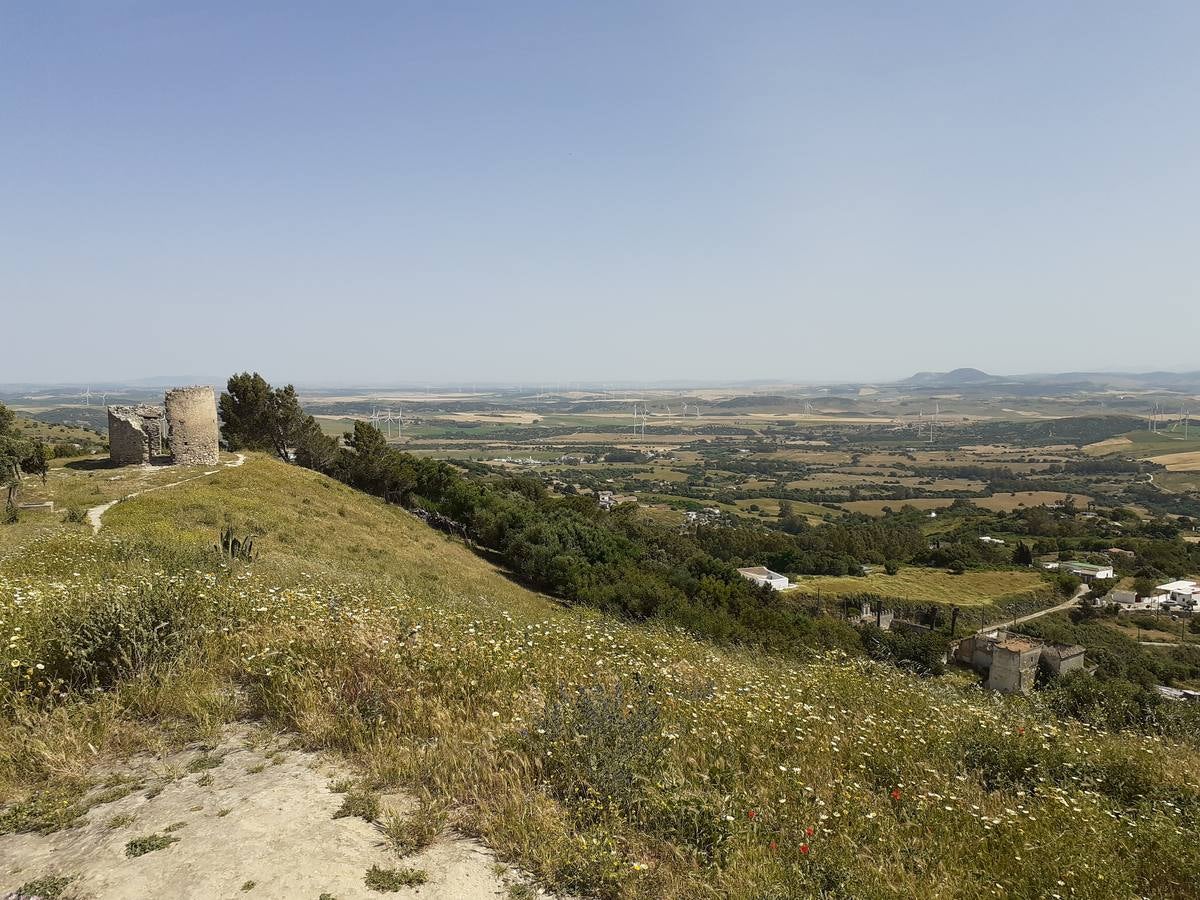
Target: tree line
[(616, 561)]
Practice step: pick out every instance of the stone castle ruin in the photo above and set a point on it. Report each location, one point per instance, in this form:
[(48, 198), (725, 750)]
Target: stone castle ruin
[(186, 425)]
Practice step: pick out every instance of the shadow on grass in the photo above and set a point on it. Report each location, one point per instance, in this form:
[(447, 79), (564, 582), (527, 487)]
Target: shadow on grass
[(98, 463)]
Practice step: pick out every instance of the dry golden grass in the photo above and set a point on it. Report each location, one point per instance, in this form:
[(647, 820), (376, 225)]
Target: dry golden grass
[(1009, 502), (875, 507), (1109, 445), (920, 585), (372, 636), (1179, 462)]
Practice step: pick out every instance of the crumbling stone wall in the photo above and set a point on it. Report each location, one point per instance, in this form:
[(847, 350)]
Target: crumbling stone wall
[(1014, 667), (192, 425), (134, 434)]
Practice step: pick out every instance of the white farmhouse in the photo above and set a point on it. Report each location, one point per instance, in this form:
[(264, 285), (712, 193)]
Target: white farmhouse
[(763, 575), (1089, 572), (1184, 593)]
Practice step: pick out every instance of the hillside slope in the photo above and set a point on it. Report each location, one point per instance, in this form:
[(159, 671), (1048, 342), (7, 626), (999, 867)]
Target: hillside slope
[(604, 758)]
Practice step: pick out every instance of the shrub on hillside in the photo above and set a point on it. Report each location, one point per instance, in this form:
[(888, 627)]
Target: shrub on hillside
[(601, 745), (99, 638), (922, 652)]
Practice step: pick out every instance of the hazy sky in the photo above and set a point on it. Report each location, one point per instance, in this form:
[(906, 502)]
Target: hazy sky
[(401, 191)]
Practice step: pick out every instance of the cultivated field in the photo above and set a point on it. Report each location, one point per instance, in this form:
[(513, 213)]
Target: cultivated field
[(920, 585), (1179, 462)]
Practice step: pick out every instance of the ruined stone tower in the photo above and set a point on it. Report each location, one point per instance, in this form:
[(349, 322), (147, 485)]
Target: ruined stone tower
[(188, 422), (134, 434), (192, 425)]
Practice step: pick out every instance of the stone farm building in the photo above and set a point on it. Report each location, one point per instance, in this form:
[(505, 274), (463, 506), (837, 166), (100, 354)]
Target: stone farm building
[(1011, 660)]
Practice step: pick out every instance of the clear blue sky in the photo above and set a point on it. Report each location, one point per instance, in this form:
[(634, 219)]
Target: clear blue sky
[(564, 190)]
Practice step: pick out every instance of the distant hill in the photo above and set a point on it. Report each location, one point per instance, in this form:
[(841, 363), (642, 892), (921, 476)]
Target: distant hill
[(1062, 381), (955, 378)]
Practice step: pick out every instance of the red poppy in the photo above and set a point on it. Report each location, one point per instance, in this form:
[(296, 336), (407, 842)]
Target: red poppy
[(804, 849), (895, 793), (808, 831), (774, 846), (752, 814), (1020, 731)]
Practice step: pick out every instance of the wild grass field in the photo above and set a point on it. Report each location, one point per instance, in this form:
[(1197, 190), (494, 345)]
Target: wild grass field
[(608, 759), (56, 433), (923, 585)]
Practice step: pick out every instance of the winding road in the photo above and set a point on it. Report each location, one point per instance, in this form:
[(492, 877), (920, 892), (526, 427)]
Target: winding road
[(95, 515), (1008, 623)]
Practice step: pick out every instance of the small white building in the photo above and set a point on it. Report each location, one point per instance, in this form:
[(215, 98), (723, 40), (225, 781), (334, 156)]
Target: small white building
[(1089, 572), (1184, 593), (763, 575), (1129, 600)]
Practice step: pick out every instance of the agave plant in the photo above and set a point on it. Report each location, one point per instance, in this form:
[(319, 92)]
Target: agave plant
[(232, 547)]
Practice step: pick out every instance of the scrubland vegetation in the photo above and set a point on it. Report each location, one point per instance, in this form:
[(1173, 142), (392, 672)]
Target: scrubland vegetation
[(607, 758)]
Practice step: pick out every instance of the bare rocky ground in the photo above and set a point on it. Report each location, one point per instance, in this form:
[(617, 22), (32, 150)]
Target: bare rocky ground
[(251, 818)]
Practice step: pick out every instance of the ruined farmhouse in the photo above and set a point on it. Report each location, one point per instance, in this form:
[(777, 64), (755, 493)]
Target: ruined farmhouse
[(183, 428), (1010, 661)]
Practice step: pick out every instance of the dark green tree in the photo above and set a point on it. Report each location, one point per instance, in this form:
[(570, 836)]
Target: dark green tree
[(256, 416), (14, 450), (244, 409), (37, 462)]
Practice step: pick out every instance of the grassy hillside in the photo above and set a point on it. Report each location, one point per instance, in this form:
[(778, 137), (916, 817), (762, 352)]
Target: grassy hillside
[(608, 759)]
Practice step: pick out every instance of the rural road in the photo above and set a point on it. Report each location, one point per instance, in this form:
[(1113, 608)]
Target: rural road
[(96, 513), (1008, 623)]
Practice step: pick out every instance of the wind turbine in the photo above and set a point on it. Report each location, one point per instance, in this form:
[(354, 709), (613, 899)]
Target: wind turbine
[(87, 397)]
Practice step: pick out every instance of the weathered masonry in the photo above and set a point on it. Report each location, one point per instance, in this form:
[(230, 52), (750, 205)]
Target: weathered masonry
[(1011, 660), (134, 434), (192, 424), (187, 423)]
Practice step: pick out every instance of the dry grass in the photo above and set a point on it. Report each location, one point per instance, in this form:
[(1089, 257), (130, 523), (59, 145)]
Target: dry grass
[(920, 585), (1179, 462), (876, 507), (372, 636), (1009, 502)]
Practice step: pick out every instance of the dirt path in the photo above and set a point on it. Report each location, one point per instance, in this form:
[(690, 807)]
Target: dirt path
[(96, 513), (249, 817), (1009, 623)]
